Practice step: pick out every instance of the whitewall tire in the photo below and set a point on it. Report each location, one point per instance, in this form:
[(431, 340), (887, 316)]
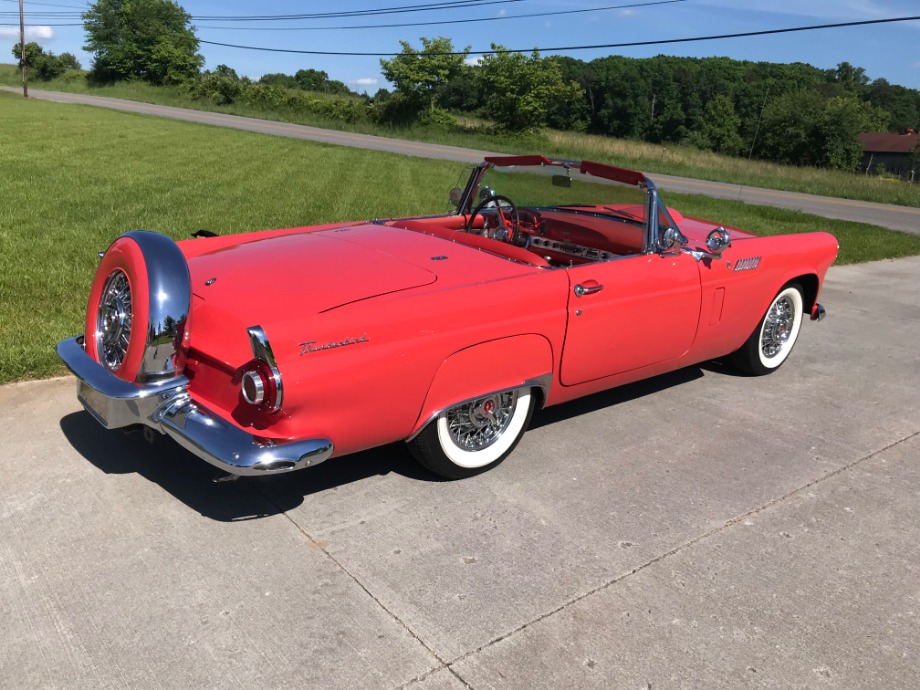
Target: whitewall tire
[(474, 436), (773, 339)]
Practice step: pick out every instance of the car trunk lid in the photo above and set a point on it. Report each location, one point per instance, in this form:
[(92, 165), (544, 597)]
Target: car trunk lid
[(319, 271)]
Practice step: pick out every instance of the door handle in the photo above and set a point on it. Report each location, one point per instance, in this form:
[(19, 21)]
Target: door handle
[(581, 290)]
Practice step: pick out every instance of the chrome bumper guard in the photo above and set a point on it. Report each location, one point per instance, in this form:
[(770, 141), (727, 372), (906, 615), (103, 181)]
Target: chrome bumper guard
[(817, 312), (167, 407)]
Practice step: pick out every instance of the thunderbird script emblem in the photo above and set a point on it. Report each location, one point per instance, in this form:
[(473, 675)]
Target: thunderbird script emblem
[(311, 346)]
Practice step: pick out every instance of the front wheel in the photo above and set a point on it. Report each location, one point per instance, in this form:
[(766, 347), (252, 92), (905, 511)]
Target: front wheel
[(775, 335), (474, 436)]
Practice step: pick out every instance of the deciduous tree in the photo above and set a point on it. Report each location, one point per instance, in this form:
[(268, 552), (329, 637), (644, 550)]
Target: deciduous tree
[(44, 66), (421, 75), (719, 126), (151, 40), (520, 89)]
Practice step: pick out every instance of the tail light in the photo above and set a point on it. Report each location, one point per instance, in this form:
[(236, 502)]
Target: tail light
[(260, 381)]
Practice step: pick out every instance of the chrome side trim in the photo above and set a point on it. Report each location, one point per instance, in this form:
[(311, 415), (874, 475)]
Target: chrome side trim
[(262, 350), (170, 291), (542, 382), (168, 408)]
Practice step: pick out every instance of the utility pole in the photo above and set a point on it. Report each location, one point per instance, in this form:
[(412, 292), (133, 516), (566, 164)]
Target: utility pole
[(22, 47)]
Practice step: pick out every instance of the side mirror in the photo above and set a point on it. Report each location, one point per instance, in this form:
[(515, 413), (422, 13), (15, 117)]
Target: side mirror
[(455, 195), (717, 240), (671, 239)]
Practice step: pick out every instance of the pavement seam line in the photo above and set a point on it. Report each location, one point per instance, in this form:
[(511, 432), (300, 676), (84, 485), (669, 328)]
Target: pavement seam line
[(681, 547), (419, 679), (357, 581)]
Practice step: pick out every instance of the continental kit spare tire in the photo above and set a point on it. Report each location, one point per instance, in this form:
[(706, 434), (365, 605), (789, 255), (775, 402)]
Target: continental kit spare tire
[(137, 317)]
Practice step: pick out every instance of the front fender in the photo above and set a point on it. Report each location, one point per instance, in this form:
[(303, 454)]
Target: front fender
[(485, 368)]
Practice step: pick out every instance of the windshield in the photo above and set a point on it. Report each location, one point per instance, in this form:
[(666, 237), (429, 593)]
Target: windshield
[(564, 188), (564, 212)]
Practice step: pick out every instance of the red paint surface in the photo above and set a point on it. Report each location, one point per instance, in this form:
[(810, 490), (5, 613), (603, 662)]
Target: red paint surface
[(377, 327)]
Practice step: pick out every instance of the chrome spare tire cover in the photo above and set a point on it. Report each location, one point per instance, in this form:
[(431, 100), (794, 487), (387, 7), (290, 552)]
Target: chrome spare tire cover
[(170, 295)]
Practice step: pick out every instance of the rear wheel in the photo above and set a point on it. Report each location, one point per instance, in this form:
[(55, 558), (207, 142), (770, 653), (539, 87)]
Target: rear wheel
[(475, 436), (773, 339)]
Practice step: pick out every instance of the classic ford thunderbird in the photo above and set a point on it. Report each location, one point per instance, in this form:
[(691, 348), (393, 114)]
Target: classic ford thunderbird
[(548, 280)]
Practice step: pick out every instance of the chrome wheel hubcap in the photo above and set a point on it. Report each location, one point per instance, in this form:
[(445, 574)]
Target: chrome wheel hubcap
[(113, 320), (777, 327), (478, 424)]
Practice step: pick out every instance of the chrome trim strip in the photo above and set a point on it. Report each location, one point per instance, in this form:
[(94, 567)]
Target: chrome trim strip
[(168, 408), (542, 382), (170, 291), (262, 350), (651, 221)]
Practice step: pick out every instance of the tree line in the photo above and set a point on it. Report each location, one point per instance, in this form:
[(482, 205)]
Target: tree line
[(791, 113)]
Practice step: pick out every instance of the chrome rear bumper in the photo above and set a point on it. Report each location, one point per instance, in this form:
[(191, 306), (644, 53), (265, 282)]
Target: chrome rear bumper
[(167, 407)]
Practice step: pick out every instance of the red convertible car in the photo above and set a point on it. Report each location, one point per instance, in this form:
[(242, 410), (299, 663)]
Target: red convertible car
[(548, 280)]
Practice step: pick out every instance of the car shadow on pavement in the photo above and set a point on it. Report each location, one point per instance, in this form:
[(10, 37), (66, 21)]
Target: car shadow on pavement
[(190, 479), (615, 396)]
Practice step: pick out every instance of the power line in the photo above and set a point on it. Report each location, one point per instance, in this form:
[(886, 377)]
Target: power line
[(561, 49), (441, 22), (398, 9), (339, 14), (47, 4)]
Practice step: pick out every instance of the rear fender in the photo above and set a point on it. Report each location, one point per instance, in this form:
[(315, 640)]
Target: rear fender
[(485, 368)]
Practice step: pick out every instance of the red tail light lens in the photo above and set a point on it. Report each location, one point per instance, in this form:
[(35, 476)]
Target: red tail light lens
[(259, 386)]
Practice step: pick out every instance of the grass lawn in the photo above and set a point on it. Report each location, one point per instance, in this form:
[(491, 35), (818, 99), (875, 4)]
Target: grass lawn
[(670, 159), (73, 178)]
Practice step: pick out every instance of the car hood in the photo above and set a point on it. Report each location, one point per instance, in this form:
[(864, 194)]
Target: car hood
[(696, 230)]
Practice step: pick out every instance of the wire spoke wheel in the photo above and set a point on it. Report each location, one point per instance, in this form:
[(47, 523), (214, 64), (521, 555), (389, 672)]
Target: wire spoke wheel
[(475, 435), (113, 320), (777, 327), (478, 424)]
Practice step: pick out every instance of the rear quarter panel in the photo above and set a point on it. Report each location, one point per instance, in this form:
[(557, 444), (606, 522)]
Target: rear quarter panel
[(423, 352)]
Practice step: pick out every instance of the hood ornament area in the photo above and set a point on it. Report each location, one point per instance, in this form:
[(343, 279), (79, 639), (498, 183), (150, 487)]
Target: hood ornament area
[(311, 346)]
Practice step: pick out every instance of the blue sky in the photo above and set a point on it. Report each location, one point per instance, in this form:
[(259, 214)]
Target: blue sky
[(888, 50)]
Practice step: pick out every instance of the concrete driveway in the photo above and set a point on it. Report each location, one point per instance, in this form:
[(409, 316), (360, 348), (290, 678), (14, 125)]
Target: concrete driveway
[(700, 530)]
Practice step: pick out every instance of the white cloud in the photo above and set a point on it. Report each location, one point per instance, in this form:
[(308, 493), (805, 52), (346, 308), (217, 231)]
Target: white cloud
[(33, 32), (502, 13), (626, 13), (473, 60), (365, 81)]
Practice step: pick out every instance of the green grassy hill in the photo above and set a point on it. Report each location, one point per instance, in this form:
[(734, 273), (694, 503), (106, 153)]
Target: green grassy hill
[(474, 133)]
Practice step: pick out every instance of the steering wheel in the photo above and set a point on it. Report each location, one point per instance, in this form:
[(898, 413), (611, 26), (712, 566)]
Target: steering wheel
[(502, 232)]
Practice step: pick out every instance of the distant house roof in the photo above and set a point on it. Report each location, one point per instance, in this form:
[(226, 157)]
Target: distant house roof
[(889, 143)]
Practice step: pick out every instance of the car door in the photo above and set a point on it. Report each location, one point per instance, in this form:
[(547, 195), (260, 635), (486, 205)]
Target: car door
[(629, 313)]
